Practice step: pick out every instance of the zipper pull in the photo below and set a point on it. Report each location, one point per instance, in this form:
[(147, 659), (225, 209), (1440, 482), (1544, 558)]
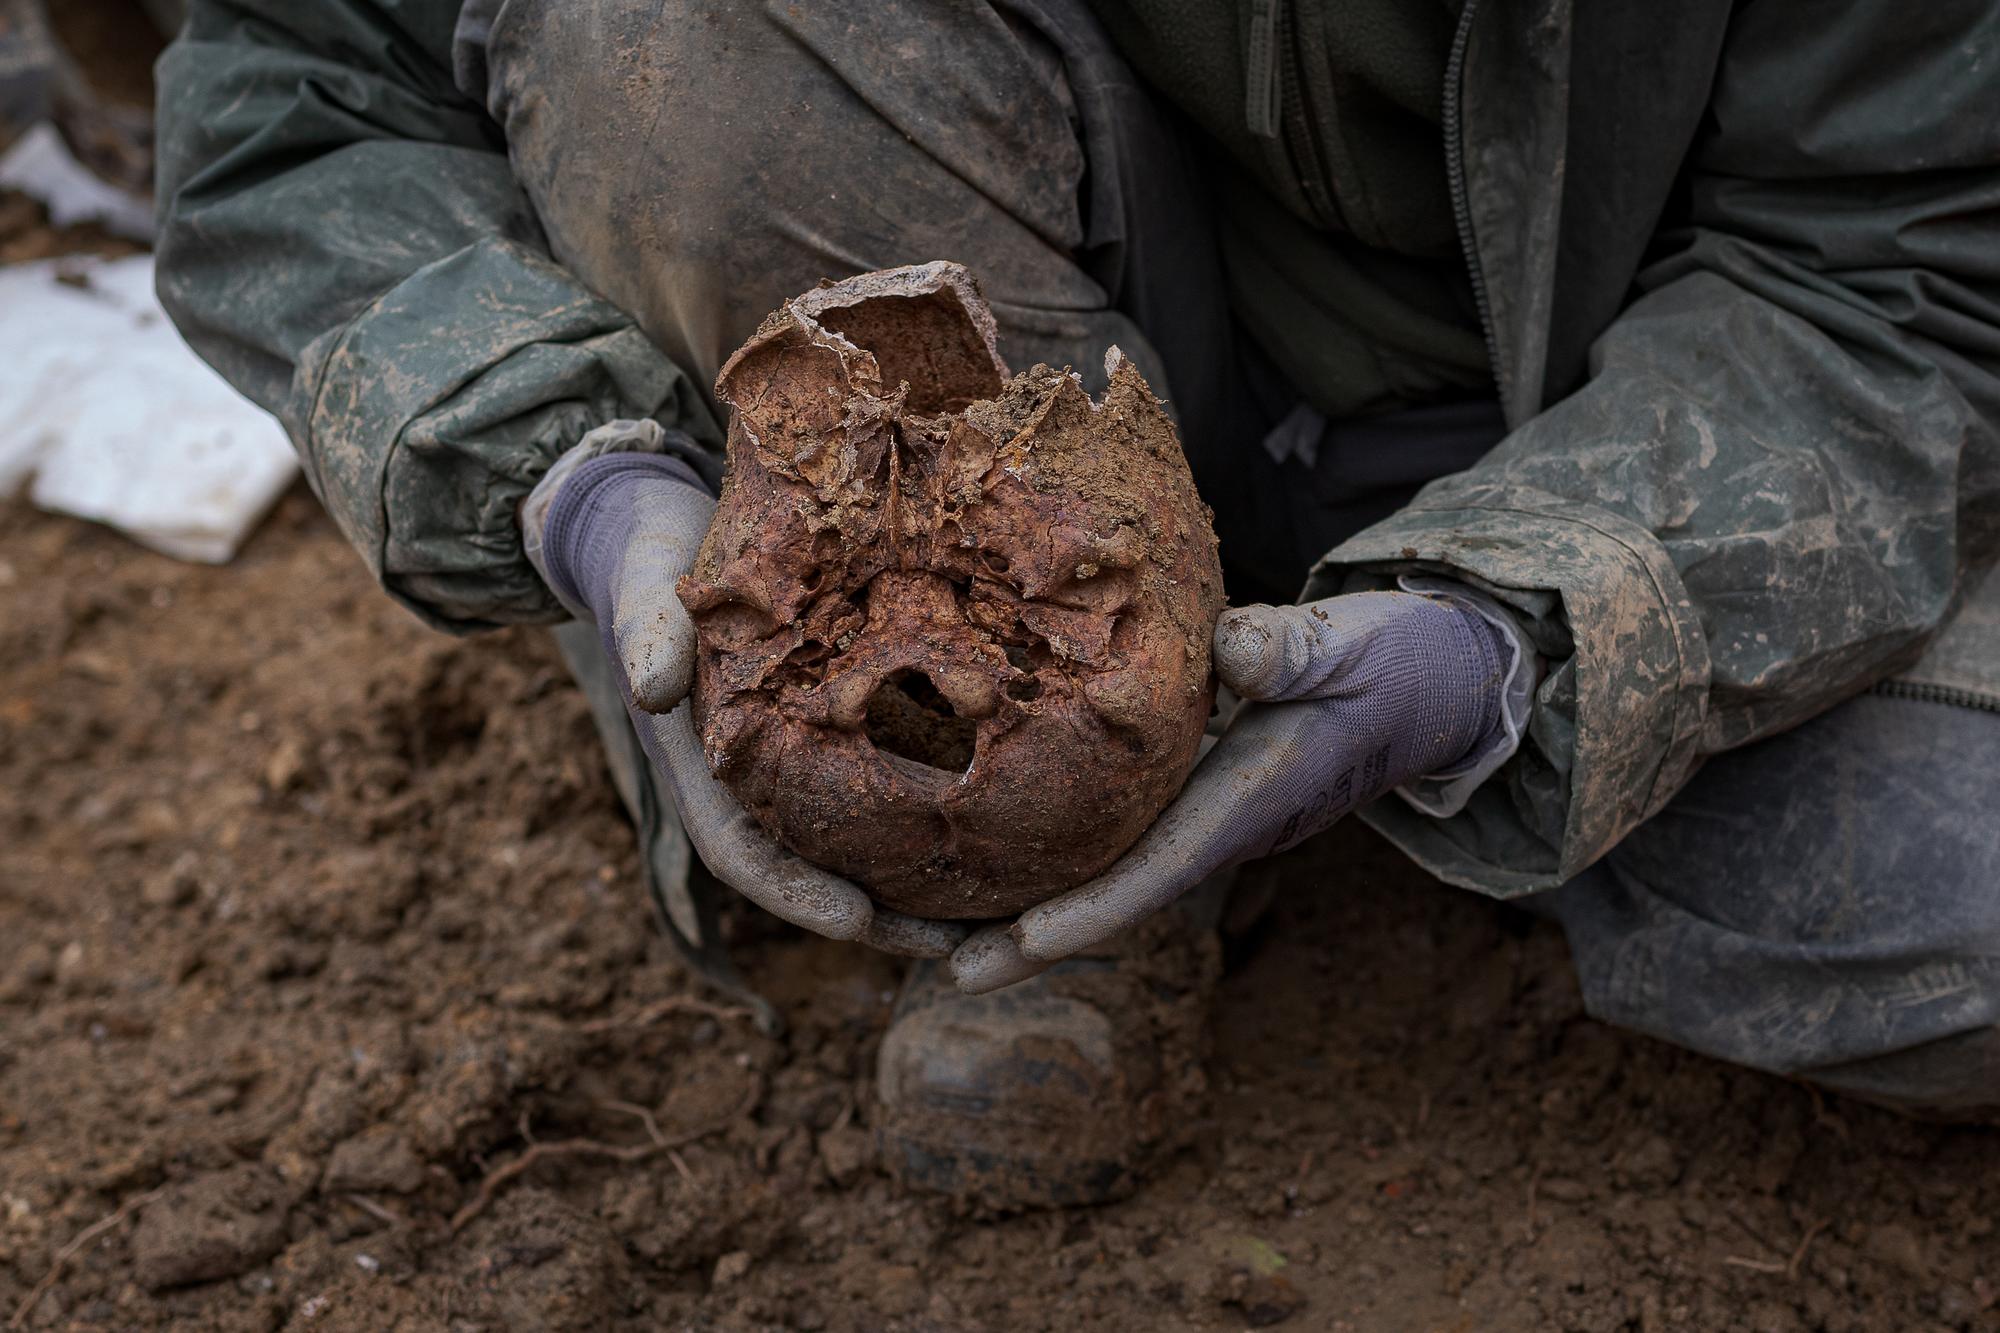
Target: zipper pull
[(1260, 73)]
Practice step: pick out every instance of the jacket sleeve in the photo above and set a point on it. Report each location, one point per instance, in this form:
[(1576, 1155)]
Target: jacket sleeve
[(1761, 500), (342, 238)]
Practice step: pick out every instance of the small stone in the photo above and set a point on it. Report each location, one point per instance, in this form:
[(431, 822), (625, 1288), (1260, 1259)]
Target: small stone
[(845, 1152), (1896, 1246), (378, 1158), (69, 966), (1263, 1301), (898, 1289), (213, 1226), (286, 764), (731, 1267), (174, 885)]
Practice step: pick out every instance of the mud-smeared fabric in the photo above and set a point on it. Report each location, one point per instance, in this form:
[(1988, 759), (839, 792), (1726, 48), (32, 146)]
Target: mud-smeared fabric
[(1819, 904), (1786, 451), (343, 238), (1739, 270)]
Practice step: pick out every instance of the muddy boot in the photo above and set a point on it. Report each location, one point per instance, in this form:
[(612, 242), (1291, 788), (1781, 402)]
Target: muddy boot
[(1061, 1090)]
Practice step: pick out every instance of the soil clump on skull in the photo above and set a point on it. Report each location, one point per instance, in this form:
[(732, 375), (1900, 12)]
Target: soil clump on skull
[(954, 622)]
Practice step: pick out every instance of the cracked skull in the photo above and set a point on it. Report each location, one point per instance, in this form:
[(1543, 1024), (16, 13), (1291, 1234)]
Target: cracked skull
[(953, 623)]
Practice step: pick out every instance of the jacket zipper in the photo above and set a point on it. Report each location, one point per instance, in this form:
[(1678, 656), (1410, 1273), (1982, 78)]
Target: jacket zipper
[(1921, 693), (1307, 164), (1454, 158), (1275, 105), (1261, 78)]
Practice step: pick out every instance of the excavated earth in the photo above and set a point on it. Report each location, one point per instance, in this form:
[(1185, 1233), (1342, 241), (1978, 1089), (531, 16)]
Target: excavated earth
[(311, 921)]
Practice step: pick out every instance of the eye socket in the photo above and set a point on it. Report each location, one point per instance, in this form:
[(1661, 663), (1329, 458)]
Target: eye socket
[(1026, 689), (995, 564)]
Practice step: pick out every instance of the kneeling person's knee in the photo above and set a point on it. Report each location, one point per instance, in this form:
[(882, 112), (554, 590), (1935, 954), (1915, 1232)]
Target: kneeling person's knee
[(700, 162)]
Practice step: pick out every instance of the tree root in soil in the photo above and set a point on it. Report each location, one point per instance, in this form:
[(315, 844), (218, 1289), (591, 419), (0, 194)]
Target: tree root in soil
[(659, 1009), (660, 1145)]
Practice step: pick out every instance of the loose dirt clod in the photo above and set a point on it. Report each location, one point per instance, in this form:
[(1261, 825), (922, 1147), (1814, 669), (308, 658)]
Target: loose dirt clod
[(954, 624), (216, 1225)]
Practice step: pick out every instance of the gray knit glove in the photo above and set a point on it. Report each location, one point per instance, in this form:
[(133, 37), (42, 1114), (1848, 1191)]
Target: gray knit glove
[(1353, 696), (611, 528)]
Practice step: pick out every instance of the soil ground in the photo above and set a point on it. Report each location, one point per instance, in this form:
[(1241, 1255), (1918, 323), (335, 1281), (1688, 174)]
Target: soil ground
[(313, 921), (311, 918)]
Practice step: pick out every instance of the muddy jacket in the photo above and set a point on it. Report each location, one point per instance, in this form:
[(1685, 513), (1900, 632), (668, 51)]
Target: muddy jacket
[(1738, 268)]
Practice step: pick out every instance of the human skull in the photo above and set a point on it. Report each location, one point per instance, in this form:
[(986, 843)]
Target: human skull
[(953, 624)]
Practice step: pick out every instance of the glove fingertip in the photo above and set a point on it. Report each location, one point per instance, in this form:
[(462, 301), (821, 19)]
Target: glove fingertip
[(989, 960), (1049, 939), (1248, 651), (659, 686), (912, 937), (659, 658)]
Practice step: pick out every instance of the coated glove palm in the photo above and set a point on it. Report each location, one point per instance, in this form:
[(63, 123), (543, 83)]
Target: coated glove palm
[(1351, 696)]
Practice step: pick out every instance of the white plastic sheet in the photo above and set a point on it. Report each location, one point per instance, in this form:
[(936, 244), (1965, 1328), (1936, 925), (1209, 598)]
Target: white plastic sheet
[(41, 164), (106, 414)]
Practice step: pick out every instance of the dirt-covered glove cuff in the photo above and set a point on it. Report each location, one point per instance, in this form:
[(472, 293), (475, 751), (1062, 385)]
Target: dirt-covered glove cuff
[(1444, 793), (641, 437), (591, 517)]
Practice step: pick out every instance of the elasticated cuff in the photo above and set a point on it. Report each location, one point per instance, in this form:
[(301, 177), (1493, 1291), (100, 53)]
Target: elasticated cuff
[(426, 420), (592, 517), (1615, 727), (1444, 793)]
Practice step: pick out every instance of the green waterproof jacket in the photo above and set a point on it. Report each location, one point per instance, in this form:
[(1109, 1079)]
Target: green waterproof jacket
[(1738, 267)]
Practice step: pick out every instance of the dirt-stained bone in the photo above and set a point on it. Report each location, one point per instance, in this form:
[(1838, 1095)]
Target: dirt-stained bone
[(954, 624)]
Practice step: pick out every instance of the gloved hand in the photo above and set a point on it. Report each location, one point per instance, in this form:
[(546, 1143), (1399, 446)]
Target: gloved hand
[(611, 528), (1351, 697)]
